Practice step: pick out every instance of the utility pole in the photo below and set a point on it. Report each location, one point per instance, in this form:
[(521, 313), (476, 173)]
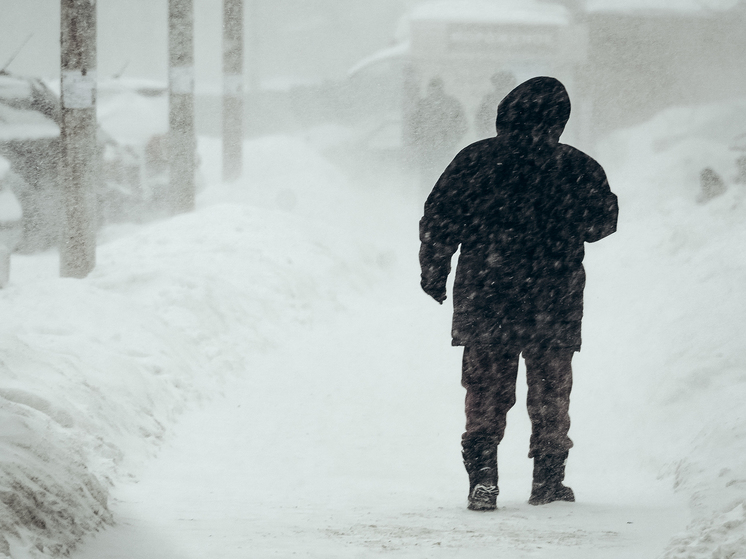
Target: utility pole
[(253, 45), (79, 151), (232, 88), (181, 140)]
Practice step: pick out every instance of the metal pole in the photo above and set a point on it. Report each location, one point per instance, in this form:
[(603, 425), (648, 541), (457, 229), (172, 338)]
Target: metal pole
[(253, 42), (182, 144), (78, 158), (232, 88)]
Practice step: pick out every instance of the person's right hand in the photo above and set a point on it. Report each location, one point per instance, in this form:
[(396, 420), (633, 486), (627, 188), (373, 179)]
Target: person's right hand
[(437, 293)]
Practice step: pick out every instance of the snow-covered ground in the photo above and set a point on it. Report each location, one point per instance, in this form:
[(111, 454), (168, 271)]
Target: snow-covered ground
[(264, 378), (679, 291)]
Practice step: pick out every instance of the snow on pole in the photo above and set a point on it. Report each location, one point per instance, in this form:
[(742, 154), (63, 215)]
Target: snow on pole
[(78, 158), (232, 88), (182, 144)]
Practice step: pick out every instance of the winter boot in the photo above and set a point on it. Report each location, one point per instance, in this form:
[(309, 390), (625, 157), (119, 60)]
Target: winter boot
[(549, 472), (480, 460), (483, 494)]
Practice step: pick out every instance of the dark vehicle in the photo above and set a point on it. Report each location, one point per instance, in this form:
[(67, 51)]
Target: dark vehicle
[(10, 211), (30, 142), (133, 131), (133, 122)]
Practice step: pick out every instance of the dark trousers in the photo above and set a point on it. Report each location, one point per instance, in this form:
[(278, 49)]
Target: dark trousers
[(489, 376)]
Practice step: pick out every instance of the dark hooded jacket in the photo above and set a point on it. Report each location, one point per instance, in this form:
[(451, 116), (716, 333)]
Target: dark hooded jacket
[(521, 206)]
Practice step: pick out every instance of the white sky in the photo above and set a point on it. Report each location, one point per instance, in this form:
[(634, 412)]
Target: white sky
[(310, 40)]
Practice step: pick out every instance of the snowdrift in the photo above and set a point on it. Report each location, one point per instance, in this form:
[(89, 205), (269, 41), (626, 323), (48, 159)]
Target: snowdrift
[(94, 371), (679, 312)]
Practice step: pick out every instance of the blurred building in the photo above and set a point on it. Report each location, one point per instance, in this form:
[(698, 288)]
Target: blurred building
[(621, 60), (646, 56)]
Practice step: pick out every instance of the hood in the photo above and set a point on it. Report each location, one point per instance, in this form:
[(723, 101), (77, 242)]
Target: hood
[(538, 108)]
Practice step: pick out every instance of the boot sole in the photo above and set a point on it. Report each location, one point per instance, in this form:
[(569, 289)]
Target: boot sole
[(480, 507), (545, 500)]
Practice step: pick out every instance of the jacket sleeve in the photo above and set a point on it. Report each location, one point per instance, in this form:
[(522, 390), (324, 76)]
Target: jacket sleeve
[(440, 233), (601, 209)]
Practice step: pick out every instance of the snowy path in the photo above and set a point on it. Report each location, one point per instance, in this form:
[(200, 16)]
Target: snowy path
[(344, 442)]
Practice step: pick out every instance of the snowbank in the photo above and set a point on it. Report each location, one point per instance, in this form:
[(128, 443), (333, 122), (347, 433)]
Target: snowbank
[(680, 312), (19, 124), (95, 371)]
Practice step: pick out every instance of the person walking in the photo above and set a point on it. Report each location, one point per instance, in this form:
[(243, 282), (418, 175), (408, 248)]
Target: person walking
[(484, 119), (521, 207), (438, 124)]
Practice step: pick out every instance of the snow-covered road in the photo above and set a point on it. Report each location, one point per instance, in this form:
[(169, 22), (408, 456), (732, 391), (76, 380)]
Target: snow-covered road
[(346, 444), (344, 441), (263, 377)]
